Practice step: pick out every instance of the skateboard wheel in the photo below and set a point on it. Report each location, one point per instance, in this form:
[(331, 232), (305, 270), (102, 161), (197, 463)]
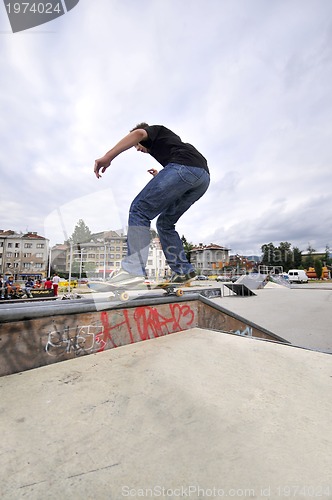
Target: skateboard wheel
[(124, 296), (179, 292)]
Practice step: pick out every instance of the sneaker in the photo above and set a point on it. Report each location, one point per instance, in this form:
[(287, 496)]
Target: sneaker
[(183, 278), (123, 278)]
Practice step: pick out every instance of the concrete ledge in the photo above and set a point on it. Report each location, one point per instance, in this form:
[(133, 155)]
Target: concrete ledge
[(37, 335)]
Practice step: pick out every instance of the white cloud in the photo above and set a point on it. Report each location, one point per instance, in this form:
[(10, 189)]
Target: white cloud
[(248, 83)]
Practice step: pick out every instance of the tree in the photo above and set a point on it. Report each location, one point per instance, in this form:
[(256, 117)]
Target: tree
[(318, 268), (269, 256), (285, 255), (327, 258), (297, 258), (309, 260), (81, 233), (187, 247)]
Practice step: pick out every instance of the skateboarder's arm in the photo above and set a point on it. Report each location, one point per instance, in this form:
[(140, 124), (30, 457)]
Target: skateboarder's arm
[(127, 142)]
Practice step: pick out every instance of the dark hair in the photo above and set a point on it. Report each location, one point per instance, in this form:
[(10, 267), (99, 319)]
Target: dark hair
[(140, 125)]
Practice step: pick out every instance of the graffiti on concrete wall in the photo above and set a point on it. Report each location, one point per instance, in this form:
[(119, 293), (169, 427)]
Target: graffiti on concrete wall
[(119, 327), (247, 332), (143, 323), (79, 339)]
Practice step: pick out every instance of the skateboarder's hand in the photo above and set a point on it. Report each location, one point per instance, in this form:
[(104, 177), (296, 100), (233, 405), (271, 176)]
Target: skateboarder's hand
[(101, 164), (153, 171)]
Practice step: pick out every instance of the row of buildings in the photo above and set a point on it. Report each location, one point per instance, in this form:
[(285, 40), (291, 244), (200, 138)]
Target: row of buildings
[(102, 255), (29, 254)]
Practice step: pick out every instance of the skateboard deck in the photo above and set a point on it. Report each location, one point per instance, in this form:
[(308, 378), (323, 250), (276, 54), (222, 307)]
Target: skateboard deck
[(123, 292)]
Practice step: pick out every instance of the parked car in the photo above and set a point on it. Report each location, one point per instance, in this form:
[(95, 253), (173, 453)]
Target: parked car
[(222, 277), (202, 277), (235, 277)]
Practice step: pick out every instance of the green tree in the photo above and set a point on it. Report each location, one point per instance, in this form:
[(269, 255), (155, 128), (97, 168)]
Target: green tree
[(327, 258), (318, 268), (81, 233), (268, 254), (284, 255), (297, 258), (187, 247), (309, 260)]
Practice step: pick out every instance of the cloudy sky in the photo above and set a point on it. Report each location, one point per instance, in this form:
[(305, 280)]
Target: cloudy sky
[(248, 82)]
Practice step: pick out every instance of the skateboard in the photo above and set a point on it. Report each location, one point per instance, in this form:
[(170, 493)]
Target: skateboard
[(122, 292)]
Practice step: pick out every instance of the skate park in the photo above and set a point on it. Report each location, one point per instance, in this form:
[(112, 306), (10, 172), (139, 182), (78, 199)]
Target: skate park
[(206, 395)]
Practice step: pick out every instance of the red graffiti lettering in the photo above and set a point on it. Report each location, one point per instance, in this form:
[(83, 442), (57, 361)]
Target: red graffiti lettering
[(150, 323), (146, 321), (106, 334)]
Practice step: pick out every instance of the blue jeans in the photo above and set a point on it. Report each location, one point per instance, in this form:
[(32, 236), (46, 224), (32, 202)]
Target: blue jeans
[(169, 194)]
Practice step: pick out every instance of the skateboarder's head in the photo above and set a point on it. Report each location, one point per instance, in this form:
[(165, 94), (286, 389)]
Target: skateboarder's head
[(139, 146), (140, 125)]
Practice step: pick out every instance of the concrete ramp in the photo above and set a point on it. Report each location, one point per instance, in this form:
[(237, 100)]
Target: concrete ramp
[(197, 414), (37, 335), (253, 281)]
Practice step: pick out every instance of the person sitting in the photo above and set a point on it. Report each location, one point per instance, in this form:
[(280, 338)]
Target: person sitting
[(10, 288), (29, 284)]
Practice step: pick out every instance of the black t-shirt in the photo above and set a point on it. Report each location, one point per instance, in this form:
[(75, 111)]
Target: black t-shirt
[(167, 147)]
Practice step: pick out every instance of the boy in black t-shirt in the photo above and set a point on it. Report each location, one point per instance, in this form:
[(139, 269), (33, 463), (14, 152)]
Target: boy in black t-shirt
[(169, 194)]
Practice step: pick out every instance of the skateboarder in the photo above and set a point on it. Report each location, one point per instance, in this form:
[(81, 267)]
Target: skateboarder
[(169, 194)]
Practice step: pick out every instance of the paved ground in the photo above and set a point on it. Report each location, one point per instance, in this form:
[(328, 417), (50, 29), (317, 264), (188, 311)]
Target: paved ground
[(196, 414), (301, 314)]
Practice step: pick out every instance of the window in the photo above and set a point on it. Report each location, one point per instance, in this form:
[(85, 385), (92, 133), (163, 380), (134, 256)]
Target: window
[(27, 255), (39, 255), (10, 245), (40, 245), (27, 245), (9, 254), (17, 245)]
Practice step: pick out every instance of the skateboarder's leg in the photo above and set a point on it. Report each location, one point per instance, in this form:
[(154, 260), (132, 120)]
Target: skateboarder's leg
[(176, 188), (169, 238)]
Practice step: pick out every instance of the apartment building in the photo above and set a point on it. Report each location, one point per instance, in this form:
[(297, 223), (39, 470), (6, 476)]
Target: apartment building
[(97, 258), (156, 267), (23, 255), (208, 259)]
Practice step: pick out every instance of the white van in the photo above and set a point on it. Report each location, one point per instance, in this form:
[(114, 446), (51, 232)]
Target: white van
[(297, 276)]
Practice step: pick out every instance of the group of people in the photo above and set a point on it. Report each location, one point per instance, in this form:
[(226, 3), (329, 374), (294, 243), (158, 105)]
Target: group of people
[(10, 289)]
